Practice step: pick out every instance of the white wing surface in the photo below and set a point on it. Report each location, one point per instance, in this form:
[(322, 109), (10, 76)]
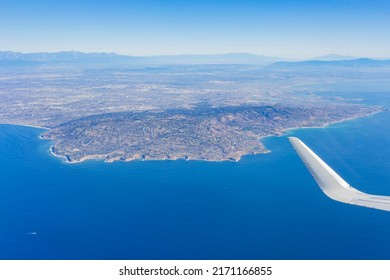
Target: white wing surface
[(332, 184)]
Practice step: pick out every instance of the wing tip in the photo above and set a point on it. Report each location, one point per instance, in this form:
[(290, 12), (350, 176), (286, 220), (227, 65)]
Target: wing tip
[(332, 184), (294, 140)]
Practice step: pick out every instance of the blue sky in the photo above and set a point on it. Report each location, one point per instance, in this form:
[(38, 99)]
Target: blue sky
[(291, 29)]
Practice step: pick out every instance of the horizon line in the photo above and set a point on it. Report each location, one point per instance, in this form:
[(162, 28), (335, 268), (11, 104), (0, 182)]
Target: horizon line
[(348, 57)]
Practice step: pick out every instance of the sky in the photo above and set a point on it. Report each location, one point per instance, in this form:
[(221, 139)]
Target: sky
[(285, 28)]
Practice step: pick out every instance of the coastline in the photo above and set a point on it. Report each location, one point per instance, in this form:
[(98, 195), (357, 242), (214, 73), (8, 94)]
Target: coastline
[(236, 158), (26, 125), (228, 159), (285, 131), (101, 158)]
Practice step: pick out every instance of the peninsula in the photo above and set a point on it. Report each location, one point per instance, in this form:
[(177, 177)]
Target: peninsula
[(212, 134)]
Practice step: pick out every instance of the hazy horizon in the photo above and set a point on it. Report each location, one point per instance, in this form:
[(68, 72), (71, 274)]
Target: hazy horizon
[(324, 56), (289, 29)]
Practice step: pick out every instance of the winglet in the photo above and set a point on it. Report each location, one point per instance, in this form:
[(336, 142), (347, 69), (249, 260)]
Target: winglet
[(332, 184)]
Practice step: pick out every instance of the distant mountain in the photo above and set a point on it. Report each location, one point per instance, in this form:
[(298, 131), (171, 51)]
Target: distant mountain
[(334, 57), (231, 58), (318, 64), (16, 58), (74, 57)]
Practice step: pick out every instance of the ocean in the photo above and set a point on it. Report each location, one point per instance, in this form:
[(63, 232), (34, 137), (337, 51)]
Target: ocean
[(262, 207)]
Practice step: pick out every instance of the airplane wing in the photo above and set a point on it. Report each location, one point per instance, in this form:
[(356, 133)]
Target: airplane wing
[(332, 184)]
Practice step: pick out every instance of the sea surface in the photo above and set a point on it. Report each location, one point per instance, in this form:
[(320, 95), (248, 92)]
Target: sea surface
[(263, 207)]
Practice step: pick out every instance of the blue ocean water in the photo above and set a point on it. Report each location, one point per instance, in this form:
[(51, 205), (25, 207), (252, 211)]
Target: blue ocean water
[(263, 207)]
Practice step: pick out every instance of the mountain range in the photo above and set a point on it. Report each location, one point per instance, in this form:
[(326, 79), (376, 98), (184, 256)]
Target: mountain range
[(9, 58), (113, 58)]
